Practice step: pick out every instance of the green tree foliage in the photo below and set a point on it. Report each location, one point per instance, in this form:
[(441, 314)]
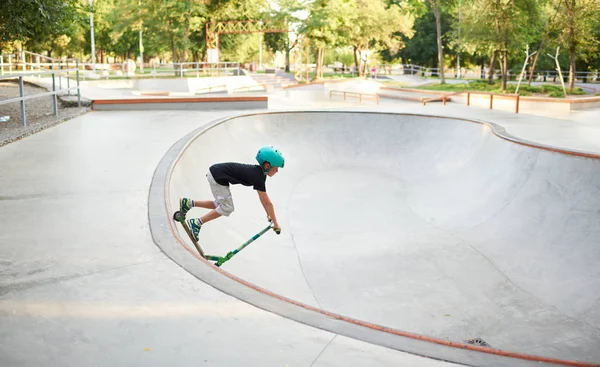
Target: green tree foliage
[(499, 27), (574, 28), (36, 22), (286, 14), (363, 25), (493, 33), (421, 49)]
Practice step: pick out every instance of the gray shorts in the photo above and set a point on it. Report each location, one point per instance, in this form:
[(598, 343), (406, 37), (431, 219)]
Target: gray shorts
[(222, 194)]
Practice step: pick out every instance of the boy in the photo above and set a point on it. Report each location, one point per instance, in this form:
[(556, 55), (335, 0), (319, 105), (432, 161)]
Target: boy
[(221, 175)]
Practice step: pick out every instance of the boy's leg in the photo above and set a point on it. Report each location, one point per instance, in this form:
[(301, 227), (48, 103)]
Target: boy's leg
[(195, 224), (206, 204), (223, 205), (213, 214)]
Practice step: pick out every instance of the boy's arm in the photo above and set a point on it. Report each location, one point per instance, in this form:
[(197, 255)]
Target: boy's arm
[(269, 208)]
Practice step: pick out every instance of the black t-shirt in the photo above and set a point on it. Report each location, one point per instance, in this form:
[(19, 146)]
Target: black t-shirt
[(239, 173)]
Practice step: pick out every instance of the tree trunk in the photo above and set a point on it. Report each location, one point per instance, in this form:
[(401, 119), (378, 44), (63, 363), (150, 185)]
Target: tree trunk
[(318, 63), (186, 37), (491, 72), (504, 68), (572, 43), (357, 60), (321, 61), (174, 53), (287, 59), (534, 62), (438, 26), (572, 69)]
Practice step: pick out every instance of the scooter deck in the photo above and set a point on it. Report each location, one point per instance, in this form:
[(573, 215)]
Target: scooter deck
[(179, 218)]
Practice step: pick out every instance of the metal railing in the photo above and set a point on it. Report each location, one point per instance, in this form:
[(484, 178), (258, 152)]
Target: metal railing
[(251, 88), (446, 97), (214, 88), (358, 95), (28, 62), (51, 73), (478, 73), (179, 70)]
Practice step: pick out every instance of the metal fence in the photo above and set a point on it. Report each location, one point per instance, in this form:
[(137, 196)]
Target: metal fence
[(54, 93), (29, 62), (479, 73)]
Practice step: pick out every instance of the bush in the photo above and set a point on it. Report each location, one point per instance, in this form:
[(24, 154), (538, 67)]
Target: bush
[(557, 94)]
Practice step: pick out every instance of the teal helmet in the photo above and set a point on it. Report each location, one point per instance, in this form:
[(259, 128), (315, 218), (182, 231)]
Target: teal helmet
[(271, 155)]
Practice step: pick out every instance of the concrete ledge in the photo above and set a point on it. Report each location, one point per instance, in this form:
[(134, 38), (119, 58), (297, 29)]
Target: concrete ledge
[(503, 101), (206, 103)]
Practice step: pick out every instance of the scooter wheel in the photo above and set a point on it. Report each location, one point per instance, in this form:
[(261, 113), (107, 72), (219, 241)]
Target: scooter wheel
[(177, 216)]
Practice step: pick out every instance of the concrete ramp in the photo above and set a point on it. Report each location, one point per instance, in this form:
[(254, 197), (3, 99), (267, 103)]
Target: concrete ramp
[(434, 229)]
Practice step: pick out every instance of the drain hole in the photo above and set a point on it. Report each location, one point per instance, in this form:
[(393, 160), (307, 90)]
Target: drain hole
[(478, 341)]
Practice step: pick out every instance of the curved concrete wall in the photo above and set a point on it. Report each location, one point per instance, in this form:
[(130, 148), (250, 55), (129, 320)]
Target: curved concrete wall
[(424, 224)]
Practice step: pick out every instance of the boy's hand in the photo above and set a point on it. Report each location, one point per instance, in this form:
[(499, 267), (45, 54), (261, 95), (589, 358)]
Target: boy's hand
[(276, 228)]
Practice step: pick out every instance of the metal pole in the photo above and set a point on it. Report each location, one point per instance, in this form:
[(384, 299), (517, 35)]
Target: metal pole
[(92, 36), (260, 51), (77, 77), (22, 102), (307, 59), (68, 81), (59, 76), (54, 95), (141, 43)]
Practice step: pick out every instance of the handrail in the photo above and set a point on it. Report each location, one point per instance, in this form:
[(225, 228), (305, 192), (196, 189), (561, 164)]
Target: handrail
[(358, 95), (49, 58), (54, 93), (444, 98), (248, 87), (224, 86), (468, 93), (47, 72)]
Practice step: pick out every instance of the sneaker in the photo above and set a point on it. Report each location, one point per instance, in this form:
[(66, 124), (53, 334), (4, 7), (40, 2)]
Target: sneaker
[(185, 205), (195, 226)]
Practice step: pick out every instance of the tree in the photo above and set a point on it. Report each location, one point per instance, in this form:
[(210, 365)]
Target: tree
[(574, 25), (501, 27), (36, 21), (421, 48), (376, 26), (435, 8), (285, 13), (325, 21)]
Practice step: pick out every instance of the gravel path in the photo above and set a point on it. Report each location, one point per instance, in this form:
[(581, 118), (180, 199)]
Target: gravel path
[(39, 111)]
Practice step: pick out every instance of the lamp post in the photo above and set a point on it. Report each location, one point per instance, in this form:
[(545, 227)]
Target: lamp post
[(92, 36)]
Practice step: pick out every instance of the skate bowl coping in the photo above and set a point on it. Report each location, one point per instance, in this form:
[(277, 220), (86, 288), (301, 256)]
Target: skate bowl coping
[(178, 103), (413, 232)]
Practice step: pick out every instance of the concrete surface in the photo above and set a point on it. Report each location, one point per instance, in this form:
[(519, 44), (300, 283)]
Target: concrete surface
[(83, 282), (427, 225)]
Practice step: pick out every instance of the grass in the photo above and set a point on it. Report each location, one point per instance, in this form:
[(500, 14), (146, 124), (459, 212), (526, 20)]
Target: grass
[(394, 83), (524, 90), (311, 75)]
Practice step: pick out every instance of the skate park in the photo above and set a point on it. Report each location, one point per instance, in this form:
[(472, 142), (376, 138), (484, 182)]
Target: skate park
[(424, 221)]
